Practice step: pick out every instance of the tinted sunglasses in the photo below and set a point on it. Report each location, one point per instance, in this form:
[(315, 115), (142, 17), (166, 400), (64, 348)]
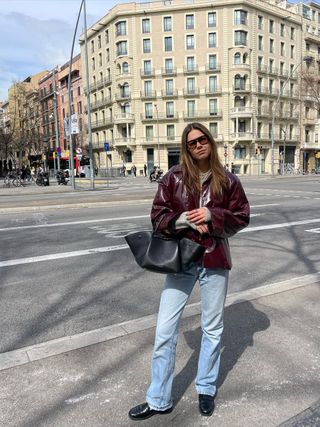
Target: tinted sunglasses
[(203, 140)]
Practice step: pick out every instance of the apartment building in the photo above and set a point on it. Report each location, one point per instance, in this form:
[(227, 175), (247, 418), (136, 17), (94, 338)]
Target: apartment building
[(77, 106), (234, 65), (51, 119)]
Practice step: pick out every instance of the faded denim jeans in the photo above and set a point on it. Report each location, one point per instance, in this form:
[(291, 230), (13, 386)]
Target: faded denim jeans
[(177, 289)]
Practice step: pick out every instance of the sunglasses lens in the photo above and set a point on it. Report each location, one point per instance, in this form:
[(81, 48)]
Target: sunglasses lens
[(202, 140)]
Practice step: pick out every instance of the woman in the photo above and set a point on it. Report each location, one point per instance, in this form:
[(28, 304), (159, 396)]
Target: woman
[(208, 203)]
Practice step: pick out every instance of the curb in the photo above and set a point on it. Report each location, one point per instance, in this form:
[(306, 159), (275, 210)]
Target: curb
[(310, 417)]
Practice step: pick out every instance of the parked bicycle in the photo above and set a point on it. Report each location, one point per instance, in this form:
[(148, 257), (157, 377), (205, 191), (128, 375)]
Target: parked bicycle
[(12, 179)]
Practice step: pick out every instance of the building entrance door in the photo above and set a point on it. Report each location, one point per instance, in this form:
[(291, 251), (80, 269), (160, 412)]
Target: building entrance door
[(173, 158)]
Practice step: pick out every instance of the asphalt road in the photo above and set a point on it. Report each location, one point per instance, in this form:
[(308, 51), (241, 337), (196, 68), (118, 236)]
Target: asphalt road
[(66, 271)]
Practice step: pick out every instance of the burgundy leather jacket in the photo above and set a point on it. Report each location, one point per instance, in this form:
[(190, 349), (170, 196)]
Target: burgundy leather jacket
[(229, 214)]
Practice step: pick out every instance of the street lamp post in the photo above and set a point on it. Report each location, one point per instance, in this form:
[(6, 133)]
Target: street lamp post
[(56, 120), (156, 107), (306, 59)]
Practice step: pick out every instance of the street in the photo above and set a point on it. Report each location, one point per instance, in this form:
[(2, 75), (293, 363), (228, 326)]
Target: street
[(68, 271)]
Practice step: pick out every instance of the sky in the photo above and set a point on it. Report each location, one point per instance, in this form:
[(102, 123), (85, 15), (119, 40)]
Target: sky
[(36, 35)]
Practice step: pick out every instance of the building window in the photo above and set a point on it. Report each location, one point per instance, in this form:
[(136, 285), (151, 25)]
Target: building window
[(271, 46), (167, 23), (271, 62), (169, 109), (122, 48), (213, 128), (212, 19), (191, 108), (170, 132), (146, 46), (212, 62), (240, 17), (148, 87), (148, 109), (292, 33), (79, 90), (190, 63), (212, 83), (168, 65), (147, 69), (271, 86), (191, 85), (190, 41), (108, 55), (146, 25), (260, 22), (168, 44), (282, 53), (100, 59), (99, 42), (189, 22), (212, 39), (149, 132), (239, 82), (169, 86), (260, 60), (260, 82), (106, 36), (271, 25), (282, 27), (79, 107), (213, 104), (93, 63), (291, 51), (125, 68), (240, 38), (239, 152), (260, 42), (281, 68), (237, 58), (92, 46), (121, 28)]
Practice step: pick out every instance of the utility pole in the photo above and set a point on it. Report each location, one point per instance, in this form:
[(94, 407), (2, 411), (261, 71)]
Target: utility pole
[(156, 107), (56, 119)]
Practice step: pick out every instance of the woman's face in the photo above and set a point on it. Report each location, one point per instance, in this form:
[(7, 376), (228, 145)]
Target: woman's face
[(198, 145)]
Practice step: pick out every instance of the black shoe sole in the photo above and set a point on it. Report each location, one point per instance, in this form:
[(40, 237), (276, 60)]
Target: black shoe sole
[(167, 411)]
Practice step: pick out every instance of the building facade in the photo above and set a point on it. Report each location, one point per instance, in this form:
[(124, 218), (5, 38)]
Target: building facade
[(77, 107), (234, 65)]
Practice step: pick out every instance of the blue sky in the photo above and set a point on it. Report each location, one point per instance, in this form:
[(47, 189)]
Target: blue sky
[(36, 35)]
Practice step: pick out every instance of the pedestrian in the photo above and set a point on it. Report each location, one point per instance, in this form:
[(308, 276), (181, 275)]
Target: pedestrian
[(145, 169), (134, 170), (123, 170), (208, 204)]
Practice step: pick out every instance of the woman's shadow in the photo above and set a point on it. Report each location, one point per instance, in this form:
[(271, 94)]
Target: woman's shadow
[(241, 322)]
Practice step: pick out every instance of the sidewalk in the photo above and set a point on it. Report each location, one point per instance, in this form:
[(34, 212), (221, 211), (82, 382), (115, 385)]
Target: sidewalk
[(270, 372)]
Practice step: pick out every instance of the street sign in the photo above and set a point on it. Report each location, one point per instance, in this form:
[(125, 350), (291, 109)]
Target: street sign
[(66, 126), (106, 146), (59, 151)]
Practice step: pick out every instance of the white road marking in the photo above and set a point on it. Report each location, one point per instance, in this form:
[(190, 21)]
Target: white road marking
[(314, 230), (59, 224), (266, 205), (49, 257)]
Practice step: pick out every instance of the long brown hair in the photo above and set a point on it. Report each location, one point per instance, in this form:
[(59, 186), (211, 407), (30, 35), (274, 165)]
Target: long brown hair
[(190, 170)]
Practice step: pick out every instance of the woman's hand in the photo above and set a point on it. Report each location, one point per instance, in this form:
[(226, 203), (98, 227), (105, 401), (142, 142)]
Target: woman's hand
[(197, 216), (203, 229)]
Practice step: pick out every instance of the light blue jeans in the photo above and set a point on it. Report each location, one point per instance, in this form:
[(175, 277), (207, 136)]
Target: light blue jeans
[(177, 289)]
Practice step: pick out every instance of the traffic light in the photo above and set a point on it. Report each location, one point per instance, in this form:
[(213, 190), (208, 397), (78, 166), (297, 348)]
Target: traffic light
[(258, 149)]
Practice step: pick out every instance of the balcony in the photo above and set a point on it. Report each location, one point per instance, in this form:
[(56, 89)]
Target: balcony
[(213, 68), (241, 66), (215, 90), (123, 118), (123, 142), (125, 76), (264, 112), (191, 69), (101, 103), (95, 124), (203, 114), (188, 92), (242, 136), (263, 137), (169, 93), (243, 88), (147, 73), (160, 117), (169, 139), (122, 96), (241, 112), (45, 95), (310, 120), (172, 71), (150, 94)]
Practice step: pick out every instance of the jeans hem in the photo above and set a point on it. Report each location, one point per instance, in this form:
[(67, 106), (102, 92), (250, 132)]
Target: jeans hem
[(199, 391), (157, 408)]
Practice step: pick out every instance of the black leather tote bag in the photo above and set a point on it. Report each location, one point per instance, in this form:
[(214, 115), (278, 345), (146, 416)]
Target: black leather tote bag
[(161, 253)]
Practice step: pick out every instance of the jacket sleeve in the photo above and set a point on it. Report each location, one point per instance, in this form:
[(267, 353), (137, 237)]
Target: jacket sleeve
[(225, 222), (162, 214)]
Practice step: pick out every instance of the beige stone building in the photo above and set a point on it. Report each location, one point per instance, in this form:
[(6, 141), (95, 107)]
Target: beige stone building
[(234, 65)]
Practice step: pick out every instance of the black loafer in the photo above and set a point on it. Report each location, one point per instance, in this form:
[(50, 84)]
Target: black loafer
[(206, 404), (143, 411)]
